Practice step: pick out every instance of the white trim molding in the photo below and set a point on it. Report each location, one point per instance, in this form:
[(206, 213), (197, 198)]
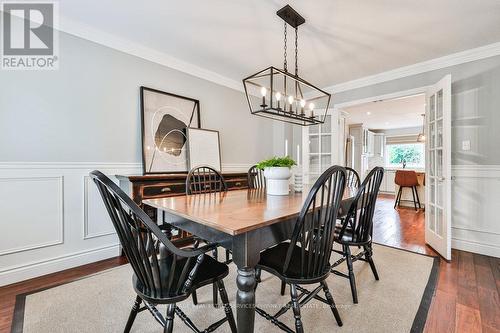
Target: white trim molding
[(121, 44), (29, 270), (454, 59), (118, 43), (235, 167), (59, 199), (475, 196), (72, 210)]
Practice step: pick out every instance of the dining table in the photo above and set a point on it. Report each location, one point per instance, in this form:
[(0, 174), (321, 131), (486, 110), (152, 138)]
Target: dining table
[(246, 222)]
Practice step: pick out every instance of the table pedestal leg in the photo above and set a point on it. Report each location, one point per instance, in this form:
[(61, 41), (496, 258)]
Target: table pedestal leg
[(246, 255), (245, 299)]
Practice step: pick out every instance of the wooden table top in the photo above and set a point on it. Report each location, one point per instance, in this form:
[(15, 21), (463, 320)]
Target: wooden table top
[(239, 211)]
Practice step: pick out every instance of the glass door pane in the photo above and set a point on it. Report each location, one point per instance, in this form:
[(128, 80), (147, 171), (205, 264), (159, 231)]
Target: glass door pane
[(314, 144)]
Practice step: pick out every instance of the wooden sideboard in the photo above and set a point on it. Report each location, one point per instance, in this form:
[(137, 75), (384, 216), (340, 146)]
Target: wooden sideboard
[(144, 187)]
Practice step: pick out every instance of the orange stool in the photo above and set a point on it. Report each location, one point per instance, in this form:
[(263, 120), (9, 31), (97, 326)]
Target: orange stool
[(404, 179)]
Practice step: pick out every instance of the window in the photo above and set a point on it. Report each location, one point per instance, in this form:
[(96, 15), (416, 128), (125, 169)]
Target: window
[(411, 153)]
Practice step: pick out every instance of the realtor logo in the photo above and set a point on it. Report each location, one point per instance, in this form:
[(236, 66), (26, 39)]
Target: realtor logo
[(29, 38)]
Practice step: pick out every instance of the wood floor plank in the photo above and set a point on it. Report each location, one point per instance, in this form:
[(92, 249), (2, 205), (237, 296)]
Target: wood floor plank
[(489, 304), (495, 268), (467, 319), (467, 287), (448, 274), (442, 314)]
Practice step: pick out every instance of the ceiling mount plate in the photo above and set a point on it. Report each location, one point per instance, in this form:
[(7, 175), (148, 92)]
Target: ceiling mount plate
[(290, 16)]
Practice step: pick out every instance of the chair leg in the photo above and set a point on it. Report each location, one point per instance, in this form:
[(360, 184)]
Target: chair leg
[(195, 297), (299, 328), (398, 197), (352, 279), (227, 307), (133, 314), (214, 287), (413, 194), (258, 273), (228, 259), (368, 256), (418, 199), (283, 286), (169, 319), (329, 298)]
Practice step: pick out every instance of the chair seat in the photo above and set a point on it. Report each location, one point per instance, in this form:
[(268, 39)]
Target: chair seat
[(347, 238), (272, 259), (210, 271)]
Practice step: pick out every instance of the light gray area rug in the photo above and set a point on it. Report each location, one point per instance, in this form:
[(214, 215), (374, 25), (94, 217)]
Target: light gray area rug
[(398, 302)]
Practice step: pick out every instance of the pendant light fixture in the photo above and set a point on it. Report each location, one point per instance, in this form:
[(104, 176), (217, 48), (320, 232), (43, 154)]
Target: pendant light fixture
[(283, 95), (421, 135)]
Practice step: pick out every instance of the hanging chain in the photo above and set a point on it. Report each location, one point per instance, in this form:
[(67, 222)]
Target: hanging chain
[(284, 54), (296, 51)]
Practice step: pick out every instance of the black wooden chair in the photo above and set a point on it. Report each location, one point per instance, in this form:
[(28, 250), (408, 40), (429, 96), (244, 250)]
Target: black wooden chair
[(205, 180), (305, 259), (256, 178), (353, 179), (167, 279), (358, 228)]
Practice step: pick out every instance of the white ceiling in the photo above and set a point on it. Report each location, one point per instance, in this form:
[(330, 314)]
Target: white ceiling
[(390, 114), (340, 41)]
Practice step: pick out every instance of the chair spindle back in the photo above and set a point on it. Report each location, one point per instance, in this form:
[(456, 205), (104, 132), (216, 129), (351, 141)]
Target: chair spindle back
[(360, 215), (352, 178), (256, 178), (205, 179), (140, 238), (315, 226)]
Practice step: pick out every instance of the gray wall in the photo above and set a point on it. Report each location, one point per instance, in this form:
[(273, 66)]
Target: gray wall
[(475, 106), (88, 110)]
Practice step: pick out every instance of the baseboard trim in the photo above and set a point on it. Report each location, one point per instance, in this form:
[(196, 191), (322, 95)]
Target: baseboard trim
[(36, 269), (475, 247)]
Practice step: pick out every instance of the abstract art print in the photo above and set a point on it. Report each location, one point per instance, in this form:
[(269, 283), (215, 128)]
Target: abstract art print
[(165, 119)]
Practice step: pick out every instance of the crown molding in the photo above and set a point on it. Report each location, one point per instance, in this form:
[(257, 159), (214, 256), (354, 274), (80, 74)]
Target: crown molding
[(458, 58), (100, 37), (112, 41)]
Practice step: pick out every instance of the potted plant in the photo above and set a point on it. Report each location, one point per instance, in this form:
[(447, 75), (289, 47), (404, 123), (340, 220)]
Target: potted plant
[(277, 172)]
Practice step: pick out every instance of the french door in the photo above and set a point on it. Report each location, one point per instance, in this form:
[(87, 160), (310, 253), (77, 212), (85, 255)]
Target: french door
[(320, 147), (438, 167)]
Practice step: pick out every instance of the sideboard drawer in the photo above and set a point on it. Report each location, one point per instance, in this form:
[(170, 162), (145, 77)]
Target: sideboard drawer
[(164, 190), (234, 184)]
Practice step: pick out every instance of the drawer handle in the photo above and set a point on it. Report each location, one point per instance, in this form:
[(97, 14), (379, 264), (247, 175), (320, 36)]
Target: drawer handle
[(166, 189), (238, 184)]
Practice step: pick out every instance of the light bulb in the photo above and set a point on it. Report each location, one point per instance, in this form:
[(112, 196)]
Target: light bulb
[(263, 91), (278, 96), (302, 102), (290, 99), (311, 106)]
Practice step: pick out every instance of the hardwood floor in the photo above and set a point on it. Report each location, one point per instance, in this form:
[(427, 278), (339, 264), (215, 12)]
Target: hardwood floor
[(466, 299), (468, 289)]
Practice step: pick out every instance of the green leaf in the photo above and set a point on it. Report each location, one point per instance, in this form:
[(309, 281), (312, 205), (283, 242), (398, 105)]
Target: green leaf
[(276, 162)]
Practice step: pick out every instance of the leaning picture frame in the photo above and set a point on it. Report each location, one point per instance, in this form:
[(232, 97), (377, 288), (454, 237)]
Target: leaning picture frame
[(165, 118), (204, 148)]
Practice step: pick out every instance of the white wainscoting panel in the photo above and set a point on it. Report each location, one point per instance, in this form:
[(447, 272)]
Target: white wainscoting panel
[(32, 209), (475, 216), (96, 222), (53, 217)]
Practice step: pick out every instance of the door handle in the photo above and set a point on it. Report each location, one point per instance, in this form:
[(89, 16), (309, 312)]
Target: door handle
[(441, 179)]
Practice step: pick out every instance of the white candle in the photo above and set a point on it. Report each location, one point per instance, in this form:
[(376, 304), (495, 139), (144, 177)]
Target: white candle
[(286, 147), (298, 155)]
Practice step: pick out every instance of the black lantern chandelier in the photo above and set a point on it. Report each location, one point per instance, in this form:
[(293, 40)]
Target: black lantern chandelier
[(283, 95)]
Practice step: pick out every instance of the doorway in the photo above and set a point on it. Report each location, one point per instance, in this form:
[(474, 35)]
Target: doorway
[(387, 131)]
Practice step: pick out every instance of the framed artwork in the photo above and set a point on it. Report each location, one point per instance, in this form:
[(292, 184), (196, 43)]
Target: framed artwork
[(165, 118), (203, 148)]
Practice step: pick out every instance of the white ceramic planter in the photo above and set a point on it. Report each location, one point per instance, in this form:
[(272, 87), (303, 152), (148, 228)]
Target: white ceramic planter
[(277, 180)]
